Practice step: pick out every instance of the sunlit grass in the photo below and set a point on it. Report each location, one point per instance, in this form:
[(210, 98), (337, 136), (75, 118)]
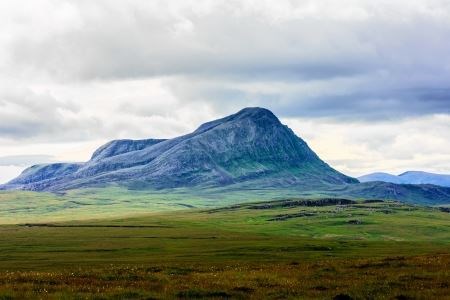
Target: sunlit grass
[(241, 252)]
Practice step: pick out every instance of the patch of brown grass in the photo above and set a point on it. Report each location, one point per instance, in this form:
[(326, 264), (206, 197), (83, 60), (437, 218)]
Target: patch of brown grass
[(418, 277)]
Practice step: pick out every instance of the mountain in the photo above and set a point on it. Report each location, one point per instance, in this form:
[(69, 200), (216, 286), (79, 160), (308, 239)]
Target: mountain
[(250, 147), (419, 177), (249, 150), (118, 147), (380, 176), (38, 173), (424, 194), (410, 177)]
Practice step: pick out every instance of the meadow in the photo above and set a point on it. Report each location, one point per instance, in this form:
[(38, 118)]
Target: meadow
[(116, 202), (285, 249)]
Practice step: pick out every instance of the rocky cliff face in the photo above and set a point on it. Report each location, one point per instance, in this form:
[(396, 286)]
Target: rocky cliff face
[(44, 172), (251, 146), (118, 147)]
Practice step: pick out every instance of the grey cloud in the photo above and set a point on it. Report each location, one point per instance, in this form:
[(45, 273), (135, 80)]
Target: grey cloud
[(211, 55), (331, 100), (138, 40), (372, 106), (86, 70), (25, 160), (25, 114)]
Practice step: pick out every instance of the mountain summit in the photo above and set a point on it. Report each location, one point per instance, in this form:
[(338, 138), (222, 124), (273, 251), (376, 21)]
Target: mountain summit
[(249, 148)]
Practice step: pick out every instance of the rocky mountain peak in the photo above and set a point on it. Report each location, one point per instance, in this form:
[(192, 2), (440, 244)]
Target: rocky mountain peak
[(251, 147)]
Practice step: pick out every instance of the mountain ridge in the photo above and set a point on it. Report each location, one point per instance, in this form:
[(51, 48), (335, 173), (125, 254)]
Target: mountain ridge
[(248, 150), (409, 177), (247, 145)]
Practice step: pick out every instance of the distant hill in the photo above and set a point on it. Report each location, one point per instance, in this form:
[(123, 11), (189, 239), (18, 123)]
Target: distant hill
[(250, 149), (410, 177)]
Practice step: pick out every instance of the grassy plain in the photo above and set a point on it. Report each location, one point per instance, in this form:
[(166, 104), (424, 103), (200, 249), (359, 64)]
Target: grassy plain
[(283, 249), (112, 202)]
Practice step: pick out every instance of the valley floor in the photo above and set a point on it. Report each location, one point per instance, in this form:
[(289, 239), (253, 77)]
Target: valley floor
[(292, 249)]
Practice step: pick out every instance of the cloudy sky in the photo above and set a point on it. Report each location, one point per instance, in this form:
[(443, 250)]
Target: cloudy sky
[(365, 83)]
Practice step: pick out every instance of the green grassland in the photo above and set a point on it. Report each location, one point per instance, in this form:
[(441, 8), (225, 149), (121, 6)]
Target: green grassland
[(112, 202), (117, 202), (295, 249)]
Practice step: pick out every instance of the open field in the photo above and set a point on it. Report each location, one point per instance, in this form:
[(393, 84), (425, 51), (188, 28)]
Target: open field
[(281, 249), (113, 202), (118, 202)]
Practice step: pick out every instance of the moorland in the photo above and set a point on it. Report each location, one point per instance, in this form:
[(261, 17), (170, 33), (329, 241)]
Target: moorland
[(287, 249)]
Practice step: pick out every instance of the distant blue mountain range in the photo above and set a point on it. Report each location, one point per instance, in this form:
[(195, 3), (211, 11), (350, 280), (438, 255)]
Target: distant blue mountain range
[(410, 177)]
